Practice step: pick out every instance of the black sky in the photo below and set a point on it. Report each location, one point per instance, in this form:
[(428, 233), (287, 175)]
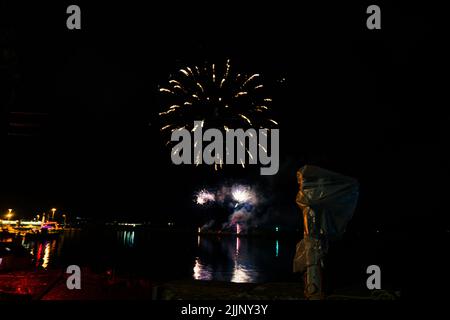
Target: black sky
[(361, 102)]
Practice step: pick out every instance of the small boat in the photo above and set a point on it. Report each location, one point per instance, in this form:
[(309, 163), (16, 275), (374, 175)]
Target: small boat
[(49, 229)]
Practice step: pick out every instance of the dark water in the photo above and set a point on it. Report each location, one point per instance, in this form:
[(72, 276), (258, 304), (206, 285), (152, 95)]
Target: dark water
[(167, 255), (163, 255)]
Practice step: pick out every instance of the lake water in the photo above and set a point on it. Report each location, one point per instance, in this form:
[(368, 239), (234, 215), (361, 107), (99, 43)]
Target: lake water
[(164, 255), (169, 255)]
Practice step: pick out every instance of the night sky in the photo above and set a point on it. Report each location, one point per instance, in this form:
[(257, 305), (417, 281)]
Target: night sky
[(361, 102)]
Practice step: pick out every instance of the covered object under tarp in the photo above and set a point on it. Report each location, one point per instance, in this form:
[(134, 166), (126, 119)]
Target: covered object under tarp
[(328, 201)]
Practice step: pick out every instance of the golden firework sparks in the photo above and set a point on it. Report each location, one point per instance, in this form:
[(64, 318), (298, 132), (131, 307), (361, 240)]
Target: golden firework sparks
[(165, 90), (245, 118), (250, 79), (225, 98), (184, 72)]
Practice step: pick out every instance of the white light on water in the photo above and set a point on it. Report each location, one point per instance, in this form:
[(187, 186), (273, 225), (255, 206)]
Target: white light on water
[(241, 274), (201, 271)]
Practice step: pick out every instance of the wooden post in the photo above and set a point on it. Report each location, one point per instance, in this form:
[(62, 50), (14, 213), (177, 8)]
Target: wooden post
[(313, 284), (313, 247)]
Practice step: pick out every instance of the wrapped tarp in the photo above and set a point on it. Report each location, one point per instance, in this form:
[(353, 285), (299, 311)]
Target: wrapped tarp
[(327, 200)]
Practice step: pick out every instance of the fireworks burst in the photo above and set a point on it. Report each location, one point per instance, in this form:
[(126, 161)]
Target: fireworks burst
[(241, 199), (204, 197), (216, 95), (242, 194)]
